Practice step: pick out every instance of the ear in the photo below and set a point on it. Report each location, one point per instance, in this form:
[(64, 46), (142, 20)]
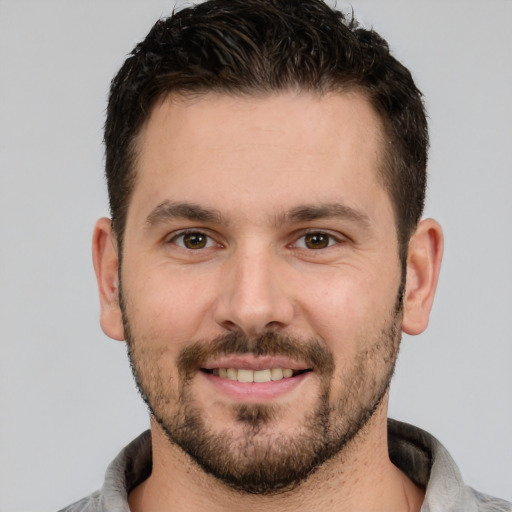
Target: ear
[(423, 265), (106, 265)]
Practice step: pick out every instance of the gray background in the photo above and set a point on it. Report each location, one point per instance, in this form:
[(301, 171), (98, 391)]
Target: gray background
[(67, 401)]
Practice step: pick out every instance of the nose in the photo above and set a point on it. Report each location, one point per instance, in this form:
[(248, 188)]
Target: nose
[(253, 296)]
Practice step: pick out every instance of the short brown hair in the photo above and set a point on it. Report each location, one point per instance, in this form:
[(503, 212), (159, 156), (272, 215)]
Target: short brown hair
[(264, 46)]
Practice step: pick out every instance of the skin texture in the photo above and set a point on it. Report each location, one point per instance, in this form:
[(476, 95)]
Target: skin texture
[(255, 177)]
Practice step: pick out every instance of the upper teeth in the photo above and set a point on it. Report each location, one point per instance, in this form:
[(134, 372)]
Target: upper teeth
[(244, 375)]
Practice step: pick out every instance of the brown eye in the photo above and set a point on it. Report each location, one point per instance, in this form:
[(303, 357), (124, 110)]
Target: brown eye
[(193, 240), (317, 240)]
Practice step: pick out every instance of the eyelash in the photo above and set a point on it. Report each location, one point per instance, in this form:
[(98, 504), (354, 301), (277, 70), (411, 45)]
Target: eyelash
[(210, 241), (332, 240)]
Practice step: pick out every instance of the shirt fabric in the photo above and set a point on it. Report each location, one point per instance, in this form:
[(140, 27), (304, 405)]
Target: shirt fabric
[(417, 453)]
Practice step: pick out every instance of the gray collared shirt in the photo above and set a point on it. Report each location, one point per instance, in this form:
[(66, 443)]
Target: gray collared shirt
[(418, 454)]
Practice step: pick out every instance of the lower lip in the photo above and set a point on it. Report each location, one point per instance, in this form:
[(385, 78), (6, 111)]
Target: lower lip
[(254, 392)]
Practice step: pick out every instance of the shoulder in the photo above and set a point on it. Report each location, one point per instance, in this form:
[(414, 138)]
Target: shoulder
[(427, 463), (132, 465), (89, 504), (491, 504)]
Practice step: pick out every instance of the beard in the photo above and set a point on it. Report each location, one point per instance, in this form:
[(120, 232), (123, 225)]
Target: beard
[(252, 455)]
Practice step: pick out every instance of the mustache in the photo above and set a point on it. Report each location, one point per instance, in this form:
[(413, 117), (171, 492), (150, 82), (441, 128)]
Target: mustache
[(312, 352)]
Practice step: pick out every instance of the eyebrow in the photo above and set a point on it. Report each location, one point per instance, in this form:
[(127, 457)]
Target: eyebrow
[(308, 213), (169, 210)]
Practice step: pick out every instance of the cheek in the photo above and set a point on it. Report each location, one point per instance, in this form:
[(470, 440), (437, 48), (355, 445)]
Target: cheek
[(165, 305), (350, 309)]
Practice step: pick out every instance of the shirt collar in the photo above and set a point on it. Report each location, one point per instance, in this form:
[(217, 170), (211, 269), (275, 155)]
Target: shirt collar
[(415, 452)]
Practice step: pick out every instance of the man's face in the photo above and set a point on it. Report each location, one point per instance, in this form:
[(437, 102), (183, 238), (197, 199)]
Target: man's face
[(260, 245)]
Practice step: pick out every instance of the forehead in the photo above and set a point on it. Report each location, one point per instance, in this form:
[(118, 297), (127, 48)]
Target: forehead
[(256, 148)]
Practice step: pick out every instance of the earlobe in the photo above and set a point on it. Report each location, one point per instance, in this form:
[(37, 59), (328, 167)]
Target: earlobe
[(106, 265), (423, 266)]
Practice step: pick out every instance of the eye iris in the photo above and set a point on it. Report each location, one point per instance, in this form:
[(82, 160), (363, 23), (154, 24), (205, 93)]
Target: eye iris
[(194, 240), (317, 241)]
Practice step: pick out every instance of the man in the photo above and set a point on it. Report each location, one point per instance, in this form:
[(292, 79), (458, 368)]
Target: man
[(266, 171)]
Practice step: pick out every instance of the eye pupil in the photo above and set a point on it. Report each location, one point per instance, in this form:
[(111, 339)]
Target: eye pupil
[(194, 240), (317, 241)]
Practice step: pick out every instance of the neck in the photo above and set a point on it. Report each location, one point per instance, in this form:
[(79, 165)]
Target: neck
[(360, 478)]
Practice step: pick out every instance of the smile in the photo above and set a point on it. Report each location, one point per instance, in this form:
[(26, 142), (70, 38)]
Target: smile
[(248, 375)]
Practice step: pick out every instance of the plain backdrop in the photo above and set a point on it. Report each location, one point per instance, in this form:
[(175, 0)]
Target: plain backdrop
[(67, 400)]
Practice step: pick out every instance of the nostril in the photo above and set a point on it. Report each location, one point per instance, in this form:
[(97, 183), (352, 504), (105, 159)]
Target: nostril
[(274, 325), (230, 326)]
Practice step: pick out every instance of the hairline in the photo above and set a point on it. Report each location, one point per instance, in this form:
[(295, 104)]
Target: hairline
[(384, 137)]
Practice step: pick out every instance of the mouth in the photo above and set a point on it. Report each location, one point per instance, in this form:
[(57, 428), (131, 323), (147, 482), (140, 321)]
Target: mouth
[(247, 378), (259, 376)]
